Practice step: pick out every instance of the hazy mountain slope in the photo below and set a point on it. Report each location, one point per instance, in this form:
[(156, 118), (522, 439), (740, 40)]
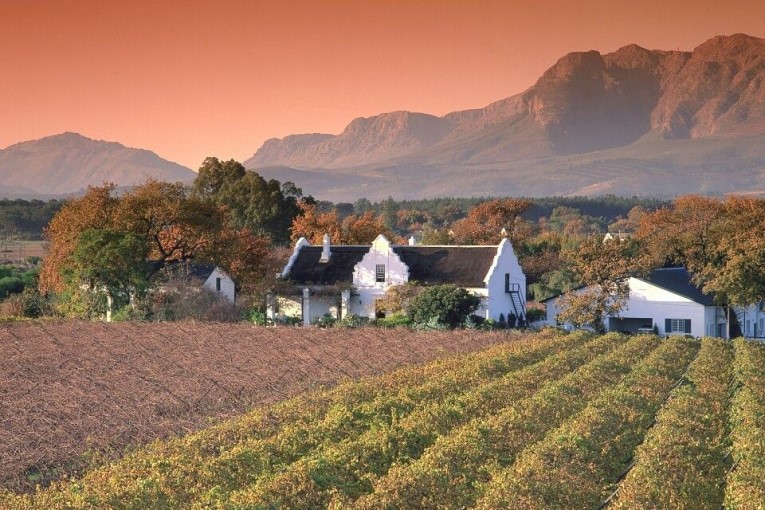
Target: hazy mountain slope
[(586, 101), (364, 141), (584, 104), (69, 162)]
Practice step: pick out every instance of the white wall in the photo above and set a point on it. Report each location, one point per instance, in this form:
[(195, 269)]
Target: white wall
[(365, 277), (752, 320), (505, 262), (227, 287), (648, 301)]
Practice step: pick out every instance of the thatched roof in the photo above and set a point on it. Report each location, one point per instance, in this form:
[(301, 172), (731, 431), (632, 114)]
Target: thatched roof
[(465, 266), (307, 269)]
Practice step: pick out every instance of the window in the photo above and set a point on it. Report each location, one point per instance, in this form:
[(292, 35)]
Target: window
[(217, 284), (677, 326), (380, 273)]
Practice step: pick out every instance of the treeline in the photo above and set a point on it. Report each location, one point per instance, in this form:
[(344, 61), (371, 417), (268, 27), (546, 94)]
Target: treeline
[(441, 212), (26, 219)]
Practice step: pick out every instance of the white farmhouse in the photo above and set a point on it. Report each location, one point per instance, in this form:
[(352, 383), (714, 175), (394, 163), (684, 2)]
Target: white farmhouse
[(201, 276), (668, 300), (339, 279)]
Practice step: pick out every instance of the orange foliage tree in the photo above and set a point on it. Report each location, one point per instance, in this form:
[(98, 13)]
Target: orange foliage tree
[(354, 229), (174, 225), (485, 222)]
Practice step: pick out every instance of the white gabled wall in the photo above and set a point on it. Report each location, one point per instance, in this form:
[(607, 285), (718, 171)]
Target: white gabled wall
[(365, 276), (498, 301), (227, 287), (647, 301)]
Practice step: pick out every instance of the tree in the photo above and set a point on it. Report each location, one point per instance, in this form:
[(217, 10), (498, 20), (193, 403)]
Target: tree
[(398, 298), (485, 222), (602, 267), (176, 225), (735, 274), (111, 262), (312, 225), (446, 304), (362, 229), (266, 207), (94, 210), (686, 234)]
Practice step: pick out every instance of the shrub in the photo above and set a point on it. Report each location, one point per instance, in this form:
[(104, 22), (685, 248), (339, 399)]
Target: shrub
[(393, 321), (448, 305), (326, 321), (535, 314), (352, 321), (257, 317)]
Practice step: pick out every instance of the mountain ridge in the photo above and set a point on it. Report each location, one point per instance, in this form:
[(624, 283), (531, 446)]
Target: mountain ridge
[(586, 102), (68, 163)]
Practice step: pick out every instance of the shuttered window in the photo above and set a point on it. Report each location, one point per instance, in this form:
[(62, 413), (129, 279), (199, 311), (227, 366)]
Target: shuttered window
[(677, 326)]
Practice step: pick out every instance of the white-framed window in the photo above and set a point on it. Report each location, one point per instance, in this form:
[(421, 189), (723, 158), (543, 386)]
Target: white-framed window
[(677, 326), (217, 284), (380, 273)]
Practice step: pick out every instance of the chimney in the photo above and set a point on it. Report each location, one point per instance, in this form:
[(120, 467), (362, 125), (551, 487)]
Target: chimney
[(325, 252), (412, 241)]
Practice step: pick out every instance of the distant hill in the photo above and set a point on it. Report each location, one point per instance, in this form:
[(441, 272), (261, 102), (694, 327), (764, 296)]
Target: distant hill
[(634, 121), (69, 162)]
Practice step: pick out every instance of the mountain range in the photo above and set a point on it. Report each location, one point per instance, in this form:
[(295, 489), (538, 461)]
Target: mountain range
[(68, 163), (631, 122)]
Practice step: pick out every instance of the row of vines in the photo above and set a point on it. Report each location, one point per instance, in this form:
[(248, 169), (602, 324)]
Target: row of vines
[(543, 422)]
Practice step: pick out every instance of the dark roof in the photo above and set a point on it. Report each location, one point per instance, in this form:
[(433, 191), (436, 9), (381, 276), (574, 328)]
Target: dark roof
[(187, 268), (674, 279), (339, 268), (465, 266), (678, 281)]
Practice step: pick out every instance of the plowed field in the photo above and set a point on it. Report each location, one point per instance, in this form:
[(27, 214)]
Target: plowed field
[(72, 392)]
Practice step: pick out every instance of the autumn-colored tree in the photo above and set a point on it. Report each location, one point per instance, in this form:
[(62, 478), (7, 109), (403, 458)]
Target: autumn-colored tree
[(364, 229), (735, 273), (687, 233), (398, 297), (313, 224), (172, 224), (484, 223), (361, 229), (176, 225), (602, 267), (91, 211), (630, 224)]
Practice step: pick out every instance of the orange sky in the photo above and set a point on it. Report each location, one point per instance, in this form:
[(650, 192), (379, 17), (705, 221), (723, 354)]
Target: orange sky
[(198, 78)]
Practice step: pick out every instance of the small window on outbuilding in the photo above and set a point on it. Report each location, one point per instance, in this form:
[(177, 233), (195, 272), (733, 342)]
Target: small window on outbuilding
[(380, 273), (217, 284)]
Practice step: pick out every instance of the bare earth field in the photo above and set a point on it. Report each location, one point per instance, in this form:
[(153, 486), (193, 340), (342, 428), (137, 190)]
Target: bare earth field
[(73, 391)]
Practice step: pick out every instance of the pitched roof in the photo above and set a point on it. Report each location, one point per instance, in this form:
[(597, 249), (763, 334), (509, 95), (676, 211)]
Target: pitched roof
[(307, 268), (465, 266), (674, 279), (678, 280), (186, 268)]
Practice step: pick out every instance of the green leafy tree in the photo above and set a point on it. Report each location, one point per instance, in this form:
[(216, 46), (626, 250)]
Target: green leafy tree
[(111, 262), (445, 304), (266, 207)]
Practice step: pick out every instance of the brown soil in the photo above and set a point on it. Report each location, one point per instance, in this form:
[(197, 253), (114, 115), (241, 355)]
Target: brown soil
[(74, 392)]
